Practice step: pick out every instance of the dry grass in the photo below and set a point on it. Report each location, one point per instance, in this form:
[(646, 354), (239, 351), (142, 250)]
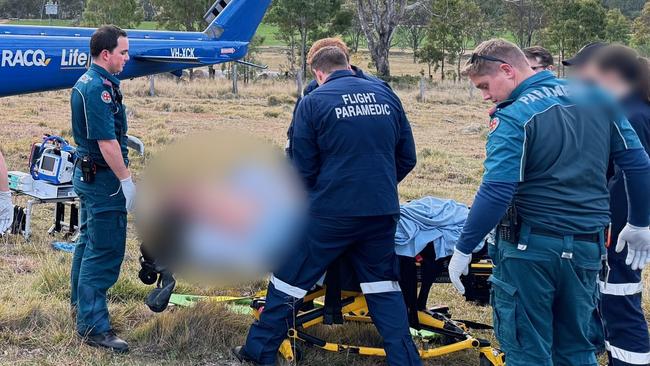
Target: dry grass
[(401, 61), (35, 325)]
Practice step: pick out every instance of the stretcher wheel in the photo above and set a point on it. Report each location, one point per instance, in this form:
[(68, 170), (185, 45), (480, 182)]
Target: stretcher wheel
[(148, 277)]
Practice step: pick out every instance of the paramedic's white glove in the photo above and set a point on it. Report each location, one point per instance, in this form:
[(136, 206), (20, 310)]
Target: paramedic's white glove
[(128, 188), (6, 211), (638, 245), (459, 265)]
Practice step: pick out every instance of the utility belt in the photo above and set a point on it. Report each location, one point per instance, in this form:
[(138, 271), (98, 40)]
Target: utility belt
[(89, 168), (511, 228)]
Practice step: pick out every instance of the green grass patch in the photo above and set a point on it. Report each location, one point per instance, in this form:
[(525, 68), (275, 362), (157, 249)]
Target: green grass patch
[(45, 22), (269, 32)]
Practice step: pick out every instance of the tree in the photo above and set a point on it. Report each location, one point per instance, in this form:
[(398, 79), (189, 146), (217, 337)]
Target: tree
[(492, 22), (573, 24), (430, 54), (299, 21), (353, 33), (71, 9), (618, 27), (630, 8), (413, 27), (524, 18), (379, 19), (124, 13), (149, 10), (21, 8), (469, 31), (182, 15), (449, 31), (641, 31)]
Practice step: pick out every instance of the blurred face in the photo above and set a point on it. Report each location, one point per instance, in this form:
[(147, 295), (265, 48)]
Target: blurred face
[(497, 86), (587, 72), (608, 80), (116, 60)]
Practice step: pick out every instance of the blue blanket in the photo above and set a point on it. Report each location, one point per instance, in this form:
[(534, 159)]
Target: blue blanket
[(427, 220)]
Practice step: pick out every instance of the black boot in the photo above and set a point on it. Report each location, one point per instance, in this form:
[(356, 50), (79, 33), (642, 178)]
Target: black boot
[(243, 357), (107, 340)]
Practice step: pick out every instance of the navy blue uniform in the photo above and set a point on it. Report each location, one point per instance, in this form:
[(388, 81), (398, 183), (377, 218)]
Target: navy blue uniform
[(626, 328), (351, 144), (97, 114), (311, 87)]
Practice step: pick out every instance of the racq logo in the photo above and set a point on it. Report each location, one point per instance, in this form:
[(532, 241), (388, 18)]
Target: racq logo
[(27, 58)]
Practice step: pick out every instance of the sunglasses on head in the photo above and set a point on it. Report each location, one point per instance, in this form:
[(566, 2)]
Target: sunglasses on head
[(476, 57)]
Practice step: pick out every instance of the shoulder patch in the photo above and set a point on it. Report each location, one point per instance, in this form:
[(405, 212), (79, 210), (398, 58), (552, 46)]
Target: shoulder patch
[(85, 78), (492, 126), (106, 97)]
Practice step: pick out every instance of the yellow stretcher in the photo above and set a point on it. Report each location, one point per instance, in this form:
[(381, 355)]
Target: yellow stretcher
[(354, 309)]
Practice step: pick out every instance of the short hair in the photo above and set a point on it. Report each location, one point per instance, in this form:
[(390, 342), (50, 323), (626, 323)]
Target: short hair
[(545, 57), (105, 38), (327, 42), (329, 59), (495, 48)]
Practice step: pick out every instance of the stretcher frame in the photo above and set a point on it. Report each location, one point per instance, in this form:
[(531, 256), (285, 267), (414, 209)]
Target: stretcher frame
[(355, 309)]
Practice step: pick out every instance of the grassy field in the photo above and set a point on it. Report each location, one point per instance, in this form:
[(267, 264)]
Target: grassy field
[(35, 325)]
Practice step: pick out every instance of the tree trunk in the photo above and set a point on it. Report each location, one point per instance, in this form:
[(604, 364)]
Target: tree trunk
[(382, 62), (303, 50), (378, 20), (235, 89), (415, 47), (444, 53), (561, 59), (292, 54), (357, 38)]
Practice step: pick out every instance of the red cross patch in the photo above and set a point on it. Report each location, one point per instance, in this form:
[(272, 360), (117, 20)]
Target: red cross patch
[(106, 97), (494, 123)]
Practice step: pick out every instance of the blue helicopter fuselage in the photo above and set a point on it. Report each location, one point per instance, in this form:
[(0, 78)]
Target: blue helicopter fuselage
[(38, 58)]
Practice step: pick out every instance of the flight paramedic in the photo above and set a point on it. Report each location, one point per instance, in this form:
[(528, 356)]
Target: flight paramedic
[(352, 145), (325, 42), (103, 182), (548, 149), (621, 71)]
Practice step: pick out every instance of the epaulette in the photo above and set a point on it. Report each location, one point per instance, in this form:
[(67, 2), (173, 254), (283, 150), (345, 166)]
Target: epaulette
[(107, 82)]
